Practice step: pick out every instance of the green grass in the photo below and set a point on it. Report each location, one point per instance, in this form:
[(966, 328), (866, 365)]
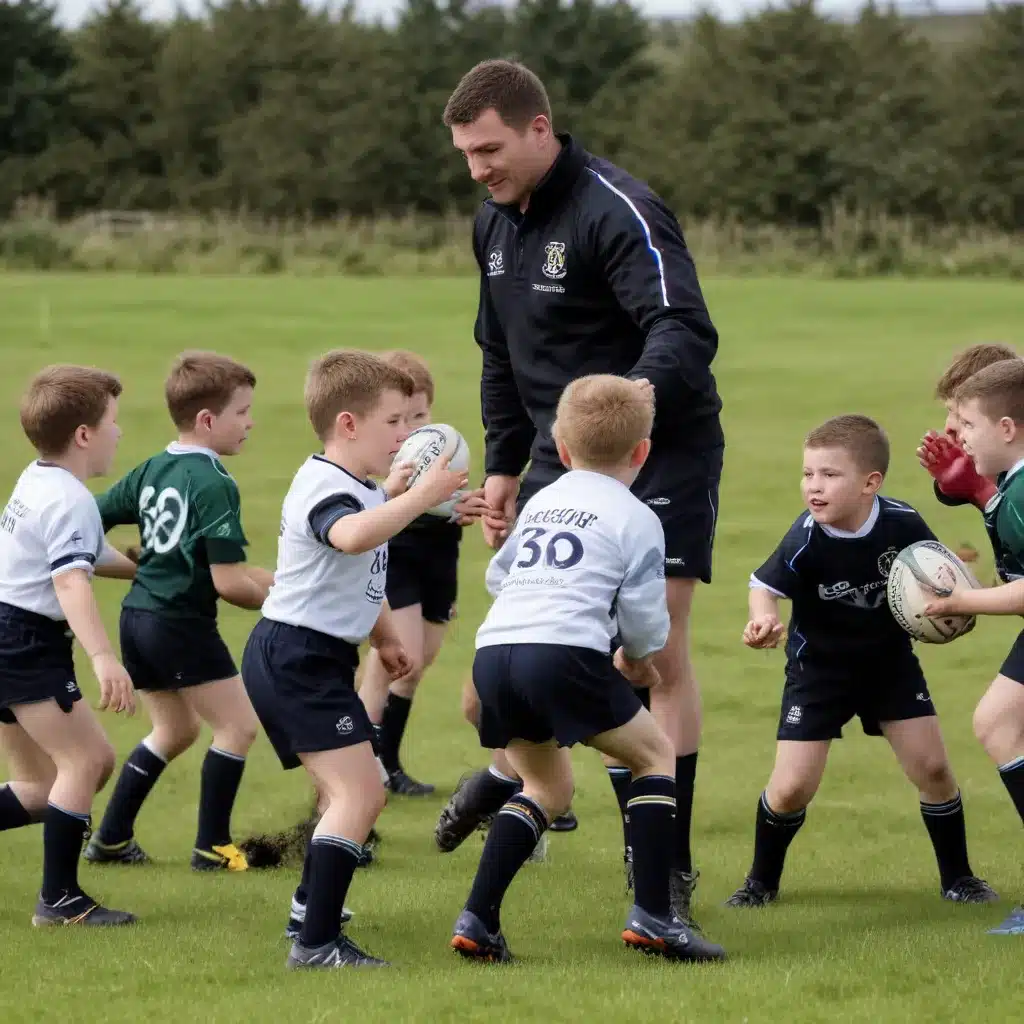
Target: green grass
[(860, 933)]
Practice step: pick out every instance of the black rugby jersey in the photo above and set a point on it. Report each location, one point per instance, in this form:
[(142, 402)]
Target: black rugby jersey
[(595, 277), (837, 584)]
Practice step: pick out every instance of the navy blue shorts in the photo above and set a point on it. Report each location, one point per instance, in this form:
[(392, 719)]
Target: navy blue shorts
[(1013, 665), (682, 488), (426, 574), (302, 685), (817, 702), (164, 653), (36, 662), (537, 692)]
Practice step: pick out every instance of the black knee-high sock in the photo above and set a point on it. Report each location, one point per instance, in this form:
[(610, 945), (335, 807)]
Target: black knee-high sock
[(138, 776), (516, 830), (218, 787), (772, 837), (332, 863), (1012, 775), (621, 778), (486, 791), (392, 728), (302, 889), (948, 833), (13, 813), (686, 771), (651, 806), (63, 832)]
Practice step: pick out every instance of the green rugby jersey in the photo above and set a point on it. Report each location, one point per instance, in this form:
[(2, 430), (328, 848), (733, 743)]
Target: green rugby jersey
[(188, 511), (1004, 520)]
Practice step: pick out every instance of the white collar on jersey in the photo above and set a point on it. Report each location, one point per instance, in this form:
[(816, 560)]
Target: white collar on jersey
[(1019, 464), (869, 525), (177, 448)]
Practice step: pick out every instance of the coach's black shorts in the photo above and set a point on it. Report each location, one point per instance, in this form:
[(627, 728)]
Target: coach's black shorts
[(36, 662), (537, 692), (163, 653), (682, 488), (817, 703), (1013, 665), (426, 574), (302, 685)]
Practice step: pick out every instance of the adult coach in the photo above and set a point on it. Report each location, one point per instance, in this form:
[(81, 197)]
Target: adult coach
[(585, 270)]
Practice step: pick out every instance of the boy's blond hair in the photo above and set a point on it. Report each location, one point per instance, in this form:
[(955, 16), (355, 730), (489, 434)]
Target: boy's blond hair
[(602, 418), (416, 367), (860, 436), (968, 363), (347, 380), (62, 398), (203, 380), (998, 389)]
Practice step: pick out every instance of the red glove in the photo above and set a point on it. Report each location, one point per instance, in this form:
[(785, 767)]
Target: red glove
[(953, 470)]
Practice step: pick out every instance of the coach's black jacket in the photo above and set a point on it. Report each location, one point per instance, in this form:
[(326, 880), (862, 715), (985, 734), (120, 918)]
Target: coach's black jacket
[(595, 277)]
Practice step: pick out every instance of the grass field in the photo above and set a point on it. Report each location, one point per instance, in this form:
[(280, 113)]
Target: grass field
[(860, 933)]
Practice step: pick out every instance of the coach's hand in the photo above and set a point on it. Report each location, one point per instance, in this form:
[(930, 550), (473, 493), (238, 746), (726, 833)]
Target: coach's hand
[(646, 387), (500, 493), (471, 507), (763, 632)]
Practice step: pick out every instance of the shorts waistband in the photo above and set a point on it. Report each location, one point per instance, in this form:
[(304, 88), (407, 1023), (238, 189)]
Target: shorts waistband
[(12, 615), (313, 639)]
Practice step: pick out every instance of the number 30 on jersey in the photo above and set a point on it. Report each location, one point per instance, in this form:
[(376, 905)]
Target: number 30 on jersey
[(561, 550)]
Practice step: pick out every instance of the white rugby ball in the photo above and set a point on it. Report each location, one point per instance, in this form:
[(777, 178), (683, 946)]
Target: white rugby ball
[(424, 446), (930, 563)]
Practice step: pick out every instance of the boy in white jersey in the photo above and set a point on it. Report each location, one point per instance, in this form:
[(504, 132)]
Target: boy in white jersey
[(328, 597), (585, 561), (51, 543)]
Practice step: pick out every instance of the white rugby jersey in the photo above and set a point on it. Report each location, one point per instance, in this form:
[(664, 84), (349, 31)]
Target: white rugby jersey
[(50, 525), (586, 560), (315, 585)]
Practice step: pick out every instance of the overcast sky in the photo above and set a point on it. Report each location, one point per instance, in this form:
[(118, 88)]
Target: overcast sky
[(72, 11)]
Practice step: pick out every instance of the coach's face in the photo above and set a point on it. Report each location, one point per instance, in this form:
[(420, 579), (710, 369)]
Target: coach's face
[(509, 161)]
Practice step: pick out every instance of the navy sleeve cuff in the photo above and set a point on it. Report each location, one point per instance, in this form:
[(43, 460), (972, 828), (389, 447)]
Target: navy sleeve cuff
[(325, 514), (81, 556)]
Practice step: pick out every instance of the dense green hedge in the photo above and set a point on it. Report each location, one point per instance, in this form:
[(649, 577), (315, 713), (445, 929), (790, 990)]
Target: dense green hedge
[(844, 246), (274, 108)]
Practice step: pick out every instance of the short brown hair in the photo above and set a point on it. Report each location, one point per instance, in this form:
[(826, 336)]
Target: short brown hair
[(506, 86), (416, 367), (998, 388), (969, 362), (602, 418), (346, 380), (62, 398), (858, 435), (203, 380)]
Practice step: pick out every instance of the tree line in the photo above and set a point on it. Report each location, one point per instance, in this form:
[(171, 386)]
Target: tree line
[(281, 110)]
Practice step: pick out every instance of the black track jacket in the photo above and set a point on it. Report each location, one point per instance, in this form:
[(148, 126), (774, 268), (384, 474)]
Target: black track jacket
[(595, 277)]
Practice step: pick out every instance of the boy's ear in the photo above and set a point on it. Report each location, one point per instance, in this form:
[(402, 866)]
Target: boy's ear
[(640, 453), (345, 425), (563, 454), (873, 482)]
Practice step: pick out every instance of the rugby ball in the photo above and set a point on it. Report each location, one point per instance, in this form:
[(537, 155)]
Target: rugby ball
[(922, 565), (424, 446)]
